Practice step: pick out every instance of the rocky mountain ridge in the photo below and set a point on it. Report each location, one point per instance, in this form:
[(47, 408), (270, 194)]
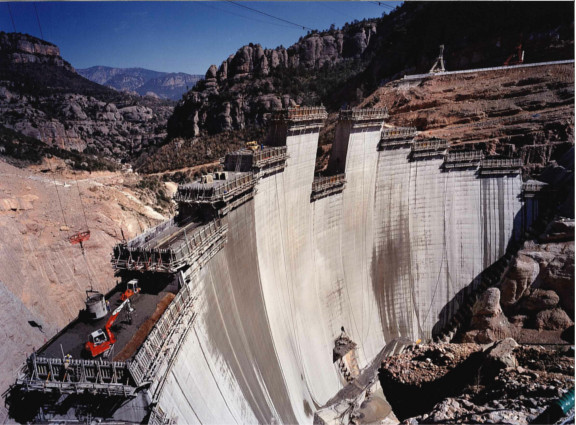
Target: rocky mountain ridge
[(141, 81), (244, 87), (42, 96)]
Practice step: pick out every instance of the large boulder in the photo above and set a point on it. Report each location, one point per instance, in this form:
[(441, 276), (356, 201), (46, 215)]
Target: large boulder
[(539, 299), (522, 274), (555, 319), (488, 323)]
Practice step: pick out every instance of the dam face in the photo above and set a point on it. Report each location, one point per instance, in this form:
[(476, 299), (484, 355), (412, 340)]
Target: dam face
[(391, 255), (388, 245)]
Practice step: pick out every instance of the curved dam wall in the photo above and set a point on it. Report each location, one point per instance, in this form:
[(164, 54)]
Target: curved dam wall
[(383, 259)]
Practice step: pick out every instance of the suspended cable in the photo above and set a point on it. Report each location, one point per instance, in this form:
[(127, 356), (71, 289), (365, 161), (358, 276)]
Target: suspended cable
[(241, 16), (383, 4), (11, 17), (38, 20), (270, 16)]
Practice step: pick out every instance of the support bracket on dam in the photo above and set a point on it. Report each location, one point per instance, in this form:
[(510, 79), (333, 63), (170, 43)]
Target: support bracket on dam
[(263, 162), (75, 376), (168, 247), (299, 118), (500, 166), (364, 117), (326, 186), (394, 137), (462, 159), (428, 148)]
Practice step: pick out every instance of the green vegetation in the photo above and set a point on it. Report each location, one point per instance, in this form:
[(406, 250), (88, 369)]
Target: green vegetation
[(187, 152)]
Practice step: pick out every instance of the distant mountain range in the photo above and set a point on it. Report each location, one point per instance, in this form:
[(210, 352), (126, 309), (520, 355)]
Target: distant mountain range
[(142, 81)]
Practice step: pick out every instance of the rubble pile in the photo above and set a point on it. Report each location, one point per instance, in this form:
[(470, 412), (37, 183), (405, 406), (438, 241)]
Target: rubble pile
[(469, 383)]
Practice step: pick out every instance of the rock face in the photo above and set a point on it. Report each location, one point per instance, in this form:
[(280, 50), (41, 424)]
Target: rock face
[(252, 82), (42, 96), (144, 82), (506, 383)]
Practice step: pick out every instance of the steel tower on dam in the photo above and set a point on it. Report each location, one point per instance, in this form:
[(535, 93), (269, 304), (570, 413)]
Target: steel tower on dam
[(243, 294)]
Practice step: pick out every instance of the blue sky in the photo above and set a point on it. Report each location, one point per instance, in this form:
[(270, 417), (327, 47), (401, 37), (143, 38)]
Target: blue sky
[(184, 36)]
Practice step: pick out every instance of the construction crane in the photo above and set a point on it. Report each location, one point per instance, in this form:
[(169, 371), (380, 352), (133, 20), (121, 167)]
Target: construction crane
[(515, 58), (132, 289), (102, 340)]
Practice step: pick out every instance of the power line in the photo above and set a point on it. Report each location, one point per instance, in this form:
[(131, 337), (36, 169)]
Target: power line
[(38, 19), (383, 4), (11, 17), (270, 16), (238, 14)]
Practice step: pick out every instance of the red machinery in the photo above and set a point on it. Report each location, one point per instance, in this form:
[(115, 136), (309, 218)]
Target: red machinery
[(132, 288), (79, 237), (101, 341)]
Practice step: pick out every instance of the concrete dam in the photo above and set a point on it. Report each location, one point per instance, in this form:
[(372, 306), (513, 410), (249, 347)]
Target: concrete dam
[(266, 264)]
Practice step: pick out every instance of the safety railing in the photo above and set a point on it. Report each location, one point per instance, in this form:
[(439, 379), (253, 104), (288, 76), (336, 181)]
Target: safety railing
[(76, 375), (398, 133), (188, 246), (500, 166), (324, 186), (270, 155), (306, 113), (367, 114), (429, 145), (463, 159), (216, 191)]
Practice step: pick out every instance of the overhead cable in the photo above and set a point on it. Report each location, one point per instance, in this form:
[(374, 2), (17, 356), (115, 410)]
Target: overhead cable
[(11, 17), (270, 16), (38, 19)]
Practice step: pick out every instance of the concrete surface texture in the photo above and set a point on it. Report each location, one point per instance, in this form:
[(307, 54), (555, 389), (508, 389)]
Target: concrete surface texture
[(383, 258)]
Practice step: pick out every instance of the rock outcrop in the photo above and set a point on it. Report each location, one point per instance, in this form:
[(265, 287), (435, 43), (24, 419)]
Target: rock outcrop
[(43, 97), (254, 80)]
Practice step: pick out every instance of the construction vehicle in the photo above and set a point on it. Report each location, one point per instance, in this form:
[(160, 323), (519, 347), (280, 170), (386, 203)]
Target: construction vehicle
[(516, 58), (102, 340), (132, 289), (252, 145)]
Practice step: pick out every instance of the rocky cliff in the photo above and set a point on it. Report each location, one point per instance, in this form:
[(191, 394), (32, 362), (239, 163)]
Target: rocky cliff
[(254, 80), (42, 96), (141, 81)]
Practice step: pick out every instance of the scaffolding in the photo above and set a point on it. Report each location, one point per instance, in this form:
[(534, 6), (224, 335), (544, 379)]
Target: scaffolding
[(396, 136), (296, 114), (364, 117), (73, 376), (218, 191), (326, 186), (428, 148), (183, 251), (463, 159), (262, 162), (500, 166)]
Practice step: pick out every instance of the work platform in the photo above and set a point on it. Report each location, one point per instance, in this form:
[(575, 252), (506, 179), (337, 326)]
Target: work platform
[(326, 186), (169, 246), (428, 148), (262, 162), (500, 166), (300, 118), (393, 137), (463, 159), (364, 117)]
